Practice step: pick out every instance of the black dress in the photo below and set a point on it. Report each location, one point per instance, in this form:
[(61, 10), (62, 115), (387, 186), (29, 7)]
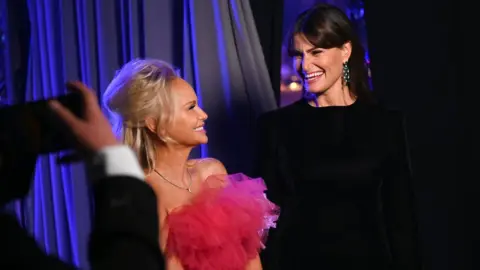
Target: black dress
[(342, 178)]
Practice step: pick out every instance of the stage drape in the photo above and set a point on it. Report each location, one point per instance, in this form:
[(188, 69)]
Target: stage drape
[(14, 37), (215, 45), (434, 89), (268, 16)]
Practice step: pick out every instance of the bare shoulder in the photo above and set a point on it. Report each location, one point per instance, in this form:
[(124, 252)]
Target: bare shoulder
[(208, 166)]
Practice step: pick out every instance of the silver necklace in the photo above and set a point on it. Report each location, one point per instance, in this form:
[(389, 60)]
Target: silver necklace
[(189, 188)]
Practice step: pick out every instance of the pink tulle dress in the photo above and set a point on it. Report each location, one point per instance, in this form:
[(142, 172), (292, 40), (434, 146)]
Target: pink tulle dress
[(224, 226)]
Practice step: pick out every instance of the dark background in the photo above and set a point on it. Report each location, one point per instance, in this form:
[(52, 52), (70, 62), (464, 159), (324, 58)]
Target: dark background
[(420, 65)]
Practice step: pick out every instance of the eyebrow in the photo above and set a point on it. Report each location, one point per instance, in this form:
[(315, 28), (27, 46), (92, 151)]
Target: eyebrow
[(308, 51), (190, 102)]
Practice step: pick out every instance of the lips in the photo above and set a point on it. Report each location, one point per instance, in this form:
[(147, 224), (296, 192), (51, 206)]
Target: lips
[(200, 129)]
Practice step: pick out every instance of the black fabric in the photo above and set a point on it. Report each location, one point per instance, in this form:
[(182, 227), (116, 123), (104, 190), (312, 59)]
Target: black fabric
[(342, 178), (18, 250), (125, 226), (125, 232), (437, 91), (268, 15), (18, 38)]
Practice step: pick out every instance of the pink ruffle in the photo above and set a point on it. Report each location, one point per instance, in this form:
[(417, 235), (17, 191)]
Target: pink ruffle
[(224, 226)]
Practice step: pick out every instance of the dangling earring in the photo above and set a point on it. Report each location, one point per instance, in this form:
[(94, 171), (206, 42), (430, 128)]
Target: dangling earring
[(346, 73)]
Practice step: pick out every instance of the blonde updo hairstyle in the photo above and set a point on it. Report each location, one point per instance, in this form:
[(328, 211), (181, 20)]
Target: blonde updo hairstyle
[(140, 89)]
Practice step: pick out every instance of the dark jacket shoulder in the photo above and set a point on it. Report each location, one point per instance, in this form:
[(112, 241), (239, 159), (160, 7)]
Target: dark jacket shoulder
[(125, 228)]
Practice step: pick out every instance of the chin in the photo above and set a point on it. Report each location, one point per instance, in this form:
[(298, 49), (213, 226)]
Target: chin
[(203, 140)]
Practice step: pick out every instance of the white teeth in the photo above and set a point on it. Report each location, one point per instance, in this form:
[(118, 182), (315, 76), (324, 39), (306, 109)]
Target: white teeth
[(313, 75), (198, 129)]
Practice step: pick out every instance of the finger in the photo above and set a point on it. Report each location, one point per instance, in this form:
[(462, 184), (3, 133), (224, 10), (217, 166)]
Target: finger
[(66, 115)]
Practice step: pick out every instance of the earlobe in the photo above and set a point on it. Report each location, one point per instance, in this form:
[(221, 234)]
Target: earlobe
[(347, 51), (151, 124)]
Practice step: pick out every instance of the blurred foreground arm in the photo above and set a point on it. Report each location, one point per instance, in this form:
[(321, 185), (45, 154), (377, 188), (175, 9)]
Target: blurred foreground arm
[(125, 226), (125, 229), (18, 250)]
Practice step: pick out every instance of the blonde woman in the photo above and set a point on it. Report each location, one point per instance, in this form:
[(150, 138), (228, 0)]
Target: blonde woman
[(208, 219)]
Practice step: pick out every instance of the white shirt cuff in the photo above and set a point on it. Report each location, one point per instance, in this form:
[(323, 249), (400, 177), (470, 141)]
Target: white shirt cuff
[(118, 160)]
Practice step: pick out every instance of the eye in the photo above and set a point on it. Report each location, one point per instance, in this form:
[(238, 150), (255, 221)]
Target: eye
[(316, 52), (191, 107)]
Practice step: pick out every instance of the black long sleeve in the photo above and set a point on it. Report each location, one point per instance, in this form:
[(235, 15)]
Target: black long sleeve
[(18, 250), (267, 158), (125, 230), (124, 236), (399, 201)]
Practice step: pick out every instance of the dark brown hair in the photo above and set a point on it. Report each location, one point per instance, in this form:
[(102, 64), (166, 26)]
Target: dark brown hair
[(326, 26)]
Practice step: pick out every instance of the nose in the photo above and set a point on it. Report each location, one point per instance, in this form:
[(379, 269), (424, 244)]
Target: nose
[(306, 63), (302, 64), (202, 115)]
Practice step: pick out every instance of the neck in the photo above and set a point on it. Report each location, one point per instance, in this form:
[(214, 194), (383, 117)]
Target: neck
[(337, 95), (172, 161)]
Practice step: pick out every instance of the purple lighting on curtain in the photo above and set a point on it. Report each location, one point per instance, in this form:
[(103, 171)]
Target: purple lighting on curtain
[(222, 55), (127, 30), (189, 16), (236, 18), (67, 178), (82, 35), (100, 42), (52, 219)]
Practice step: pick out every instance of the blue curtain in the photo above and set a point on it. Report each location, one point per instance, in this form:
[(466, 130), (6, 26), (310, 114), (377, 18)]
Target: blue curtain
[(215, 45), (224, 61)]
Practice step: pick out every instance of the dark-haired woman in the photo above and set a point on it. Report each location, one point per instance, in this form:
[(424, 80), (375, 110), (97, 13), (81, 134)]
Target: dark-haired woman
[(336, 162)]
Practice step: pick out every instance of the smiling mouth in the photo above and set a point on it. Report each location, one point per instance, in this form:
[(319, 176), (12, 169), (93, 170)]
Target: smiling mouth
[(199, 129), (310, 77)]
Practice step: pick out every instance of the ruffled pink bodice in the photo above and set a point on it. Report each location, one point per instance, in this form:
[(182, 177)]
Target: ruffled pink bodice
[(224, 226)]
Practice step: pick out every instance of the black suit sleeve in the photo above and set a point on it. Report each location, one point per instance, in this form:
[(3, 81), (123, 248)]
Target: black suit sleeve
[(125, 230), (399, 201), (18, 250), (267, 154)]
